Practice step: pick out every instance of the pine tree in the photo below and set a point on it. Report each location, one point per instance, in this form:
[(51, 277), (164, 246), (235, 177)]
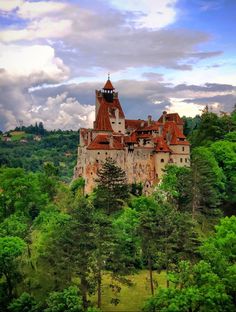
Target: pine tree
[(207, 183), (112, 187)]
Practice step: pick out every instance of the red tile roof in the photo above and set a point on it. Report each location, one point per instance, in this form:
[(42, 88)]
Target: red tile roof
[(134, 123), (131, 138), (113, 106), (172, 117), (144, 136), (161, 145), (102, 121), (176, 136), (108, 85), (101, 142)]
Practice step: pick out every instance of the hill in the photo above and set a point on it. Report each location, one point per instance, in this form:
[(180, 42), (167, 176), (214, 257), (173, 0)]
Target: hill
[(32, 151)]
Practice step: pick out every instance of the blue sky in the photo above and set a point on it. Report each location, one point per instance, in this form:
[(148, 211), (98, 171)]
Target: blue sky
[(174, 55)]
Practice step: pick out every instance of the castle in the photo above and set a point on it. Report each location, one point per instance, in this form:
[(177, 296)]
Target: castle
[(140, 147)]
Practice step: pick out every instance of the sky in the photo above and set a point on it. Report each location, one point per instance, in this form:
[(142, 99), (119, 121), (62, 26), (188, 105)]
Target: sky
[(174, 55)]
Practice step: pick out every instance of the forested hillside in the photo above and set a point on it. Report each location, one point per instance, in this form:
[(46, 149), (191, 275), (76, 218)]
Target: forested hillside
[(117, 249), (32, 147)]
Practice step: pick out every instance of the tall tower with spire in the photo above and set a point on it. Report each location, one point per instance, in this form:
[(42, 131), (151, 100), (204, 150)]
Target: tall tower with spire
[(109, 113), (108, 90)]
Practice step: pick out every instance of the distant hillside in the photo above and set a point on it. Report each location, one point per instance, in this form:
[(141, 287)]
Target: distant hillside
[(31, 151)]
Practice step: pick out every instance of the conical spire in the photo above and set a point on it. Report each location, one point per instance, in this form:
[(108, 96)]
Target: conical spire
[(108, 84)]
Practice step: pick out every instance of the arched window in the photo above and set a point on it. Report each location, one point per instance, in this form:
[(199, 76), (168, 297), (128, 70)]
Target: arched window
[(162, 160)]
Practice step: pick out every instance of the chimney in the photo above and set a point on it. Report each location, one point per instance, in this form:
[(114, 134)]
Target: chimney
[(89, 137), (149, 120), (164, 116), (160, 129), (111, 141)]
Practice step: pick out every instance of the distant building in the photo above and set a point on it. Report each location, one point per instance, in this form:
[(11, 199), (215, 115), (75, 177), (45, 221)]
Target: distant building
[(23, 141), (140, 147), (37, 138), (6, 138)]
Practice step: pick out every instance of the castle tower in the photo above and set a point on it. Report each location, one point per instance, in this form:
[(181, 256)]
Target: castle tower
[(109, 113)]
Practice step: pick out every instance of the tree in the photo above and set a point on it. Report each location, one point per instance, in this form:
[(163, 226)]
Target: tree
[(112, 188), (41, 129), (10, 250), (176, 183), (225, 155), (207, 183), (71, 246), (78, 185), (162, 231), (20, 192), (14, 225), (212, 128), (127, 249), (104, 242), (196, 289), (25, 303), (67, 300), (77, 244), (220, 252), (208, 285)]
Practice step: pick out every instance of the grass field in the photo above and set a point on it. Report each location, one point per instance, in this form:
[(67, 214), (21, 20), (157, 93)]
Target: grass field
[(131, 297)]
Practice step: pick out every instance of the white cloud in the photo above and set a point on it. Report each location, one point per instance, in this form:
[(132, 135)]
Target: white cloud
[(38, 9), (150, 13), (63, 112), (34, 60), (183, 109), (38, 29), (9, 5)]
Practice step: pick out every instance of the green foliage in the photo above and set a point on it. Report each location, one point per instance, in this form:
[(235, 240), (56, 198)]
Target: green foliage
[(231, 136), (25, 303), (209, 285), (10, 249), (20, 192), (58, 148), (136, 189), (176, 184), (220, 250), (112, 187), (212, 128), (207, 183), (127, 249), (191, 124), (204, 291), (67, 300), (14, 225), (225, 155), (77, 185), (162, 232)]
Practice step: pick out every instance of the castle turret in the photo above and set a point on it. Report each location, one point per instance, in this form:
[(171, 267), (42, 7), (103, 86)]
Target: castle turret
[(108, 91)]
